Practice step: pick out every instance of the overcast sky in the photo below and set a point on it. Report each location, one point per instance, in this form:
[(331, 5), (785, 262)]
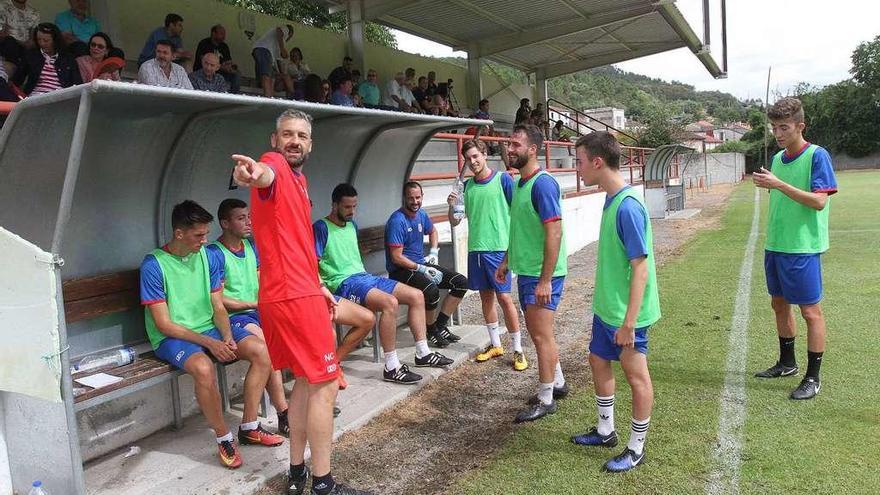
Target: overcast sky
[(804, 41)]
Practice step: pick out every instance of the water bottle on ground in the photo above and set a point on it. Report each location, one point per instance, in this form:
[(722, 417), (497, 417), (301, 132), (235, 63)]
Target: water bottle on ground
[(104, 359), (458, 207), (37, 489)]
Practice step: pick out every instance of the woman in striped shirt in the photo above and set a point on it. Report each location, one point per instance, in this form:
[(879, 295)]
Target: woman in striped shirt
[(47, 66)]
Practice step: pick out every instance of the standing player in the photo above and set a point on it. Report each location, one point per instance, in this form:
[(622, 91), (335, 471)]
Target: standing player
[(343, 271), (241, 266), (800, 184), (187, 323), (295, 308), (405, 261), (537, 255), (487, 198), (625, 300)]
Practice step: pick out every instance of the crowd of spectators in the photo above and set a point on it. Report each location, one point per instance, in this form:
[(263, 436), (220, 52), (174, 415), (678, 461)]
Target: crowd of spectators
[(40, 57)]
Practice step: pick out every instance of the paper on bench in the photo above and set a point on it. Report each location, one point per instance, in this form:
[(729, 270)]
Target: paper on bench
[(98, 380)]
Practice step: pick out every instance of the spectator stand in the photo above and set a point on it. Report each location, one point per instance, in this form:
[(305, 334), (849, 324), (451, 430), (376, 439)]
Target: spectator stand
[(98, 196)]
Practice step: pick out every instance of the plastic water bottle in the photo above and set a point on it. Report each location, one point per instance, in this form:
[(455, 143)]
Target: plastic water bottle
[(105, 359), (37, 488), (458, 207)]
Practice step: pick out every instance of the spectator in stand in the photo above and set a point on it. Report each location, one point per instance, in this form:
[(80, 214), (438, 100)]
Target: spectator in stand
[(559, 133), (170, 32), (342, 94), (483, 111), (343, 71), (369, 90), (208, 78), (312, 91), (297, 68), (162, 71), (99, 64), (268, 53), (77, 27), (432, 83), (408, 97), (47, 66), (216, 43), (423, 100), (523, 112), (392, 93), (325, 91), (6, 93), (17, 23)]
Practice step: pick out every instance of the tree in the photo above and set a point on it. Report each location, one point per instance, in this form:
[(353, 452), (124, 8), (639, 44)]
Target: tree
[(660, 127), (312, 14), (866, 64)]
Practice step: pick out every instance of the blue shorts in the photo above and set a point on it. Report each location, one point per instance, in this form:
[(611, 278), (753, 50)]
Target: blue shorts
[(177, 351), (796, 277), (527, 284), (355, 287), (264, 62), (603, 344), (481, 271), (242, 320)]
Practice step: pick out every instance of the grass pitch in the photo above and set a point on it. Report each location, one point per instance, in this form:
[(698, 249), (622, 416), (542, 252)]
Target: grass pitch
[(827, 445)]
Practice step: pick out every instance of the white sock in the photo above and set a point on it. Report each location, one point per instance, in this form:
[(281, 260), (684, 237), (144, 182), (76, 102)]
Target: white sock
[(422, 348), (606, 414), (637, 434), (250, 426), (225, 438), (494, 334), (545, 392), (516, 340), (391, 361), (559, 379)]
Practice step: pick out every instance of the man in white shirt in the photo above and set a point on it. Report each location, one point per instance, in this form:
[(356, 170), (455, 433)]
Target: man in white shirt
[(395, 94), (161, 71), (17, 23), (268, 51)]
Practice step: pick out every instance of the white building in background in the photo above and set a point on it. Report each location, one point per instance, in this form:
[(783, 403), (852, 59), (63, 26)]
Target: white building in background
[(610, 116)]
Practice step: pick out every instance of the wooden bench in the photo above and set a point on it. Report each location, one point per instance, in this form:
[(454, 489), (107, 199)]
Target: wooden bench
[(90, 297)]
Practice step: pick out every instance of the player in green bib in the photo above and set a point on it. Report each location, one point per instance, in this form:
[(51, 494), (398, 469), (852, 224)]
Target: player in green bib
[(487, 197), (342, 270), (625, 300), (536, 254), (800, 184), (241, 284), (186, 321)]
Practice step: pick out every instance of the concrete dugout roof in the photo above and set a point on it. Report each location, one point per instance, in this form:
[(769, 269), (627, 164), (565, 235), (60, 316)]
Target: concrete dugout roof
[(91, 172), (554, 37)]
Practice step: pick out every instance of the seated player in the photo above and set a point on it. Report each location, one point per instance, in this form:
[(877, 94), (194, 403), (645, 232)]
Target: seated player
[(343, 272), (241, 265), (405, 261), (188, 325)]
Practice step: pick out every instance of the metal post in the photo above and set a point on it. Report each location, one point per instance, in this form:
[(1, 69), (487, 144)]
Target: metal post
[(70, 176), (546, 156), (76, 467), (175, 402)]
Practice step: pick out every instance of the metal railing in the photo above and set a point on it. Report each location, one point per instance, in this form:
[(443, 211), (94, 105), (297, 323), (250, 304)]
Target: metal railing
[(632, 160), (581, 119)]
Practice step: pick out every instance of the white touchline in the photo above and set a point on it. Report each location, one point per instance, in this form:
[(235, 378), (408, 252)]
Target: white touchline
[(725, 476)]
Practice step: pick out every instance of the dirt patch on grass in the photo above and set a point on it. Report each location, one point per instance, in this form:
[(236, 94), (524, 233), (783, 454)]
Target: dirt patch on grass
[(455, 424)]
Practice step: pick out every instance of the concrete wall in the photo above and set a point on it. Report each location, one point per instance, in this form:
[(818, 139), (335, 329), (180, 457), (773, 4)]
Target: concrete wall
[(842, 161), (714, 168)]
